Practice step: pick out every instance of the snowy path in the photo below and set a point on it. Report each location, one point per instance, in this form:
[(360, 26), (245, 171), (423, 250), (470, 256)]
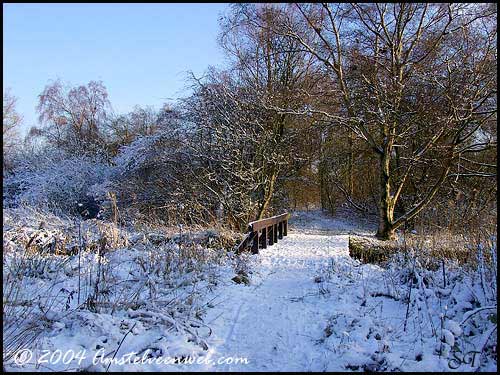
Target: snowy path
[(276, 322), (310, 307)]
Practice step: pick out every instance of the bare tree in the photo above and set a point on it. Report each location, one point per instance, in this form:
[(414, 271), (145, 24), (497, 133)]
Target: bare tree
[(278, 71), (228, 146), (123, 129), (11, 122), (74, 118), (417, 84)]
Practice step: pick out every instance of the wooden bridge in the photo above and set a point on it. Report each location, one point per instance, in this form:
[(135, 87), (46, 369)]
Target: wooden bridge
[(265, 232)]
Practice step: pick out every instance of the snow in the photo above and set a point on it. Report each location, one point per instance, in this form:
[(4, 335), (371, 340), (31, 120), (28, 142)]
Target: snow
[(313, 308), (447, 337), (273, 322), (453, 327), (309, 307)]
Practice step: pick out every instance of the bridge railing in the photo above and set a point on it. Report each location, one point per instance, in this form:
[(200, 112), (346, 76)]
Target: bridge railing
[(265, 232)]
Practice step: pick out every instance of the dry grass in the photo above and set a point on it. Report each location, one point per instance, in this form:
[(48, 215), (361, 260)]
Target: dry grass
[(449, 233), (56, 266)]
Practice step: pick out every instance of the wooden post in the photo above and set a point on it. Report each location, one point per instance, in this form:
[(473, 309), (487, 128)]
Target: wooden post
[(280, 230), (264, 238), (275, 233), (270, 234), (255, 244), (285, 227)]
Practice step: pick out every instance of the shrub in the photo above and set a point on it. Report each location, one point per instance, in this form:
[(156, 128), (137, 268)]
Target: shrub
[(53, 180)]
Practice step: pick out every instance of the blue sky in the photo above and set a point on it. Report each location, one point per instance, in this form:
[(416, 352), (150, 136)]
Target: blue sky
[(140, 51)]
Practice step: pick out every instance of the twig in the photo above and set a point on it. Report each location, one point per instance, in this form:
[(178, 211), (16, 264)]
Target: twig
[(409, 297), (444, 274), (79, 256), (469, 314), (119, 346)]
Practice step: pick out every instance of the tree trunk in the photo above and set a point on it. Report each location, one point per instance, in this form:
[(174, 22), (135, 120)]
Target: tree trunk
[(268, 194), (350, 173), (385, 231)]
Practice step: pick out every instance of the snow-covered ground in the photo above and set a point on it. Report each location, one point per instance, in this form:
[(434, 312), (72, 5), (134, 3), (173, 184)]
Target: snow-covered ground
[(276, 322), (309, 307)]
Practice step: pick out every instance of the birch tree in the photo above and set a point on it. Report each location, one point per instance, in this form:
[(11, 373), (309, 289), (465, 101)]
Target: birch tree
[(74, 118), (11, 122)]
